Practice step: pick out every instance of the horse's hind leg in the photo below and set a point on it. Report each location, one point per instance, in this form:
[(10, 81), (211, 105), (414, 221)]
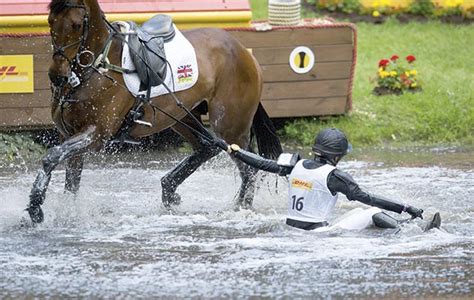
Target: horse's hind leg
[(73, 173), (53, 157), (203, 151), (247, 187)]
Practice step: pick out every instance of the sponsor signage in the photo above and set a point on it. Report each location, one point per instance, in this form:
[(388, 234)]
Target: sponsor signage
[(297, 183), (16, 74)]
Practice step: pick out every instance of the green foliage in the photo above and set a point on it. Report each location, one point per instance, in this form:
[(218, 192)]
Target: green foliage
[(345, 6), (422, 7), (450, 11), (18, 146), (443, 113)]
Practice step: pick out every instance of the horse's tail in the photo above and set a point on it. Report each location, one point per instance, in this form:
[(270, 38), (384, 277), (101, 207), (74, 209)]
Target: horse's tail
[(268, 143)]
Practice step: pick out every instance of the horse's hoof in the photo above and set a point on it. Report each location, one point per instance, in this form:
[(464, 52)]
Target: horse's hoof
[(243, 205), (171, 200), (36, 214)]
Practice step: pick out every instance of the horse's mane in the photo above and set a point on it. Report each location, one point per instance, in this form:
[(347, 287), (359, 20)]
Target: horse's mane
[(56, 6)]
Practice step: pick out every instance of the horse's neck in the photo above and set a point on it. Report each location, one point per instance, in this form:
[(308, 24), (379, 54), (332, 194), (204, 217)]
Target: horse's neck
[(98, 32)]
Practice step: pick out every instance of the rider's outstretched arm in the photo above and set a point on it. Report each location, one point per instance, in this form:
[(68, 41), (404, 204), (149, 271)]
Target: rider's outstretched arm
[(259, 162), (344, 183)]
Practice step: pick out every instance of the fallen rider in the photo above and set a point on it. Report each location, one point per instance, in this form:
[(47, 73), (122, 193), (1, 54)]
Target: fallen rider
[(314, 184)]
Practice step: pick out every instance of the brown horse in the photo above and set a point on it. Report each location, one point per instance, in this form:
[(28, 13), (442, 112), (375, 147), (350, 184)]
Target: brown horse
[(94, 111)]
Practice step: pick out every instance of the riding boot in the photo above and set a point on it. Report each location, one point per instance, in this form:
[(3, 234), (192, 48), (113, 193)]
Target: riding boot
[(383, 220)]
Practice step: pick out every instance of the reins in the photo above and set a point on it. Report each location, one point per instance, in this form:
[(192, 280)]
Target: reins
[(204, 133)]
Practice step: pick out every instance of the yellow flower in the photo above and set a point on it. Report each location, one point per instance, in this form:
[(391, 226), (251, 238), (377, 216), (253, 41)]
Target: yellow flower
[(453, 3), (382, 3), (407, 73), (393, 73), (384, 74), (375, 13), (381, 69), (413, 72), (413, 85)]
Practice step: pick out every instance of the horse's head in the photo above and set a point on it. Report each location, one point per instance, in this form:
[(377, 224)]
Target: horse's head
[(69, 27)]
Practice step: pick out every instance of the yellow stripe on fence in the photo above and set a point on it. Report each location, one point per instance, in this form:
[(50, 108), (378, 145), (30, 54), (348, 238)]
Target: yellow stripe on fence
[(184, 20)]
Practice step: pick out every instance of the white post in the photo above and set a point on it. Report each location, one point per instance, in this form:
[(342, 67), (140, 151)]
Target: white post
[(284, 12)]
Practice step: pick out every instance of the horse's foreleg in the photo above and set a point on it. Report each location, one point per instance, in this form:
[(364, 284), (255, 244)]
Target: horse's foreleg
[(73, 173), (53, 157), (247, 187), (183, 170)]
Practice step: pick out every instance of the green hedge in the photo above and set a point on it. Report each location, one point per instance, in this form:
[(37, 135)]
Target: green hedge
[(424, 8)]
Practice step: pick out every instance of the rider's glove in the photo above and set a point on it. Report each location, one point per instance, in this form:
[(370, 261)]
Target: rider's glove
[(224, 146), (414, 212), (221, 144), (233, 148)]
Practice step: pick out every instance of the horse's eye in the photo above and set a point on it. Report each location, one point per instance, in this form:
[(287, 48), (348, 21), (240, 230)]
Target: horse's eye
[(76, 26)]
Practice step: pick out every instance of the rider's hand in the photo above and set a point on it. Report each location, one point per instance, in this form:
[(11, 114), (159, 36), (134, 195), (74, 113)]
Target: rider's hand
[(234, 148), (415, 212), (221, 144), (224, 146)]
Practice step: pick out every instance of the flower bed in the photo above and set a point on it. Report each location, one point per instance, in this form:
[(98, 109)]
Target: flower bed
[(447, 10), (396, 77)]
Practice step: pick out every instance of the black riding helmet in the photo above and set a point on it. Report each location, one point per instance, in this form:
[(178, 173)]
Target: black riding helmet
[(331, 144)]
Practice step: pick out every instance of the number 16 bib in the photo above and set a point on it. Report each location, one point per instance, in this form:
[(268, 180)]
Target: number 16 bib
[(309, 198)]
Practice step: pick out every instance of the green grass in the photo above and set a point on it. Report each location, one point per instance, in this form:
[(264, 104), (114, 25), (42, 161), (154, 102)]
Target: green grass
[(442, 113), (259, 9)]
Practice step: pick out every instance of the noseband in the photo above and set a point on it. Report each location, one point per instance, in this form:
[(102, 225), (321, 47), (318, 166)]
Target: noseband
[(75, 62)]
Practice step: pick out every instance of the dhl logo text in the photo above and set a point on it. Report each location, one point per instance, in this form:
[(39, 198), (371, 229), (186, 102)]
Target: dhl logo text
[(16, 74), (10, 74), (8, 70), (301, 184)]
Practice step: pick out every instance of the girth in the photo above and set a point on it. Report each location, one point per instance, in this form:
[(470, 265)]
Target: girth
[(147, 51)]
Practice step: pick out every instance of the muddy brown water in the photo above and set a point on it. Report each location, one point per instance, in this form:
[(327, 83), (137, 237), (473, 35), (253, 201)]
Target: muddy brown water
[(114, 239)]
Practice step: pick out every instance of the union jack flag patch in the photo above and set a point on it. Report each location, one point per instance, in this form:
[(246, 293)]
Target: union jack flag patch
[(185, 74)]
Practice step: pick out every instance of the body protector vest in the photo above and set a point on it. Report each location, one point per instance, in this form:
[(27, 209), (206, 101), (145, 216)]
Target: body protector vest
[(309, 198)]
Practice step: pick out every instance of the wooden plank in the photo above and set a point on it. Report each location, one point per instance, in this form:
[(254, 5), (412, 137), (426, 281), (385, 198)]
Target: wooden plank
[(306, 107), (25, 45), (41, 98), (41, 81), (41, 62), (320, 71), (10, 117), (280, 55), (292, 38), (305, 89)]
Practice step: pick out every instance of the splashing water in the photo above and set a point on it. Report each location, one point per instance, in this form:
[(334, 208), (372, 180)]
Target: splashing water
[(114, 239)]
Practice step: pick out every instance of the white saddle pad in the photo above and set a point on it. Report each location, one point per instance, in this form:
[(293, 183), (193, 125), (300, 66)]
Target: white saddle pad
[(182, 71)]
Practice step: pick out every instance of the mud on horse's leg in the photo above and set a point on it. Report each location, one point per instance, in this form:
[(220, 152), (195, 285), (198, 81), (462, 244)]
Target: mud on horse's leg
[(171, 181), (53, 157)]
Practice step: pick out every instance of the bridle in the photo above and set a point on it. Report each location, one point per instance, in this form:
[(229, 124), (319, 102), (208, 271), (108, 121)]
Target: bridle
[(75, 63)]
